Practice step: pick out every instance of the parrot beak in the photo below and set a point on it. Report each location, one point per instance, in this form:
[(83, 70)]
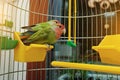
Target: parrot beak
[(64, 31)]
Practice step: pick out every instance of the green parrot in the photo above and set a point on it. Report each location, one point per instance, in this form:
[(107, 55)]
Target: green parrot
[(43, 33)]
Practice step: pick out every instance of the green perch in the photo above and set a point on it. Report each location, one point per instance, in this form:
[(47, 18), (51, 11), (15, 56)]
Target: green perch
[(71, 43)]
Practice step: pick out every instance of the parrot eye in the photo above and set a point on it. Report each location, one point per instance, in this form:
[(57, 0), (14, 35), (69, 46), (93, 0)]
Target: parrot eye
[(56, 21), (60, 26)]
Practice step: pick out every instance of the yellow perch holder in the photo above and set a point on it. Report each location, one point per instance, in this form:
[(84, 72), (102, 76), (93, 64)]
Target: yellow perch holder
[(90, 67), (109, 49), (32, 53)]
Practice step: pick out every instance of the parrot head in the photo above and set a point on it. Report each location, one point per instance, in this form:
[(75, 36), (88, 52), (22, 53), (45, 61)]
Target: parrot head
[(59, 28)]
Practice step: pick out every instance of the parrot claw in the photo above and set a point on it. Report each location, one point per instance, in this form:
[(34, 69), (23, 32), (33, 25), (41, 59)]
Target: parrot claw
[(48, 46)]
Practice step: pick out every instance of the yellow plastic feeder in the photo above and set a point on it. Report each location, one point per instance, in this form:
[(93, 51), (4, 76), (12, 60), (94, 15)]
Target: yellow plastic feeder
[(31, 53), (109, 49)]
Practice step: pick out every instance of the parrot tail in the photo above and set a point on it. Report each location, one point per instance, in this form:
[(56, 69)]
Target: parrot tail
[(28, 27), (26, 34), (23, 37), (26, 42)]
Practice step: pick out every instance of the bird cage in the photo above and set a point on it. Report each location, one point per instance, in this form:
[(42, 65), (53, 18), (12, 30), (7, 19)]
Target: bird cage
[(88, 51)]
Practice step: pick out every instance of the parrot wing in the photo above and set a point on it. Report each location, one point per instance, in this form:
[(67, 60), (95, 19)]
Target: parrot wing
[(42, 36), (40, 26)]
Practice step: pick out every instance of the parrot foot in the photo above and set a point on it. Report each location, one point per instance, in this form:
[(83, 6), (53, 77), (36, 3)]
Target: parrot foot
[(48, 47)]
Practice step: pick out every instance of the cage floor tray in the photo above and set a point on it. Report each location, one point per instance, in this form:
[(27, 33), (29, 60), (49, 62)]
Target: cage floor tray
[(31, 53), (7, 43), (109, 49)]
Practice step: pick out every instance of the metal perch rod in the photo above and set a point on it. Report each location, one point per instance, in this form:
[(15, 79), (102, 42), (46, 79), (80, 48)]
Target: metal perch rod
[(91, 67)]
